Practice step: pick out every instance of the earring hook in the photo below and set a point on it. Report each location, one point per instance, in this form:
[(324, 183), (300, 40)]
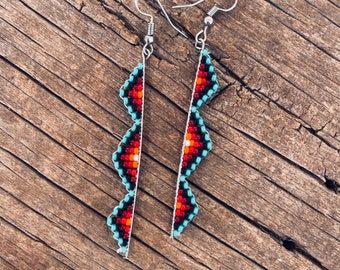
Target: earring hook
[(149, 38), (201, 36), (212, 11), (169, 20), (165, 14)]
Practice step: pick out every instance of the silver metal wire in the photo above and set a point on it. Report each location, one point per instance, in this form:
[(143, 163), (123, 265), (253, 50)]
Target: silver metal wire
[(213, 10), (149, 38), (201, 36)]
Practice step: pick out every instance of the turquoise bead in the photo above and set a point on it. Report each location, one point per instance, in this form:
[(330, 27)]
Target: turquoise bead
[(135, 71), (116, 235), (210, 92), (113, 228), (121, 92), (109, 220), (123, 250), (176, 233)]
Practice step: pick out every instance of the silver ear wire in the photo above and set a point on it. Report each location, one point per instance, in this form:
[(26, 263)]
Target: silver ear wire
[(208, 20), (169, 20), (149, 38), (148, 47), (212, 11)]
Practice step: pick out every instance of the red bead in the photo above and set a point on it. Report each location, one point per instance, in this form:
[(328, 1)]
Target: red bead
[(185, 157), (136, 144)]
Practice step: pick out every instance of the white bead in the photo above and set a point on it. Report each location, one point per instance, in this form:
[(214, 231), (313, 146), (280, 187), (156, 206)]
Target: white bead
[(187, 143), (135, 157)]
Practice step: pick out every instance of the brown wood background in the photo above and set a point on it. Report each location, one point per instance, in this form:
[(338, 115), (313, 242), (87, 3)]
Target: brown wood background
[(268, 192)]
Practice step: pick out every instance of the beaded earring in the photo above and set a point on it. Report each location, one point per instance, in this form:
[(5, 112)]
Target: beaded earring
[(196, 142), (127, 158)]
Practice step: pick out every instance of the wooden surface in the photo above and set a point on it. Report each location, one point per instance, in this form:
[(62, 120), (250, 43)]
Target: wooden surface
[(268, 192)]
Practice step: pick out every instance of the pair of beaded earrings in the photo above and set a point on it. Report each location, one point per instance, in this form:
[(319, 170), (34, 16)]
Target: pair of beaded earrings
[(196, 142)]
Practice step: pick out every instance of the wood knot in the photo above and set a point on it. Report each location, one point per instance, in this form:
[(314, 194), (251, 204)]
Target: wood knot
[(331, 184), (289, 244)]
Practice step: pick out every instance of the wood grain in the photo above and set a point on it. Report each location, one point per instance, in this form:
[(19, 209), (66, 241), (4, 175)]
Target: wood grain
[(268, 191)]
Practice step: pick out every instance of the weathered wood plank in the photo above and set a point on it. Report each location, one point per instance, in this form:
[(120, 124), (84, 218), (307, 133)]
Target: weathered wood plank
[(275, 129)]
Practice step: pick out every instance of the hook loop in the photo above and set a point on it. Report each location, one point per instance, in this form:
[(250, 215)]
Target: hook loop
[(147, 50), (200, 38)]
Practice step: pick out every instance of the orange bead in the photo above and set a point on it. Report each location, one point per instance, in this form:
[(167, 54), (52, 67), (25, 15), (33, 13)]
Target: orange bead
[(128, 222), (140, 94), (199, 81), (186, 150), (188, 136), (131, 157), (134, 164), (136, 151), (178, 205)]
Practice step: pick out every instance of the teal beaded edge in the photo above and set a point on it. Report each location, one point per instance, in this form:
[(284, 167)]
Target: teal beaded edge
[(131, 193), (195, 111)]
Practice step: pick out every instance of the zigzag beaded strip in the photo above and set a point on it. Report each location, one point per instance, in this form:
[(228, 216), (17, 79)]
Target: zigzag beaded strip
[(127, 159), (196, 144)]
